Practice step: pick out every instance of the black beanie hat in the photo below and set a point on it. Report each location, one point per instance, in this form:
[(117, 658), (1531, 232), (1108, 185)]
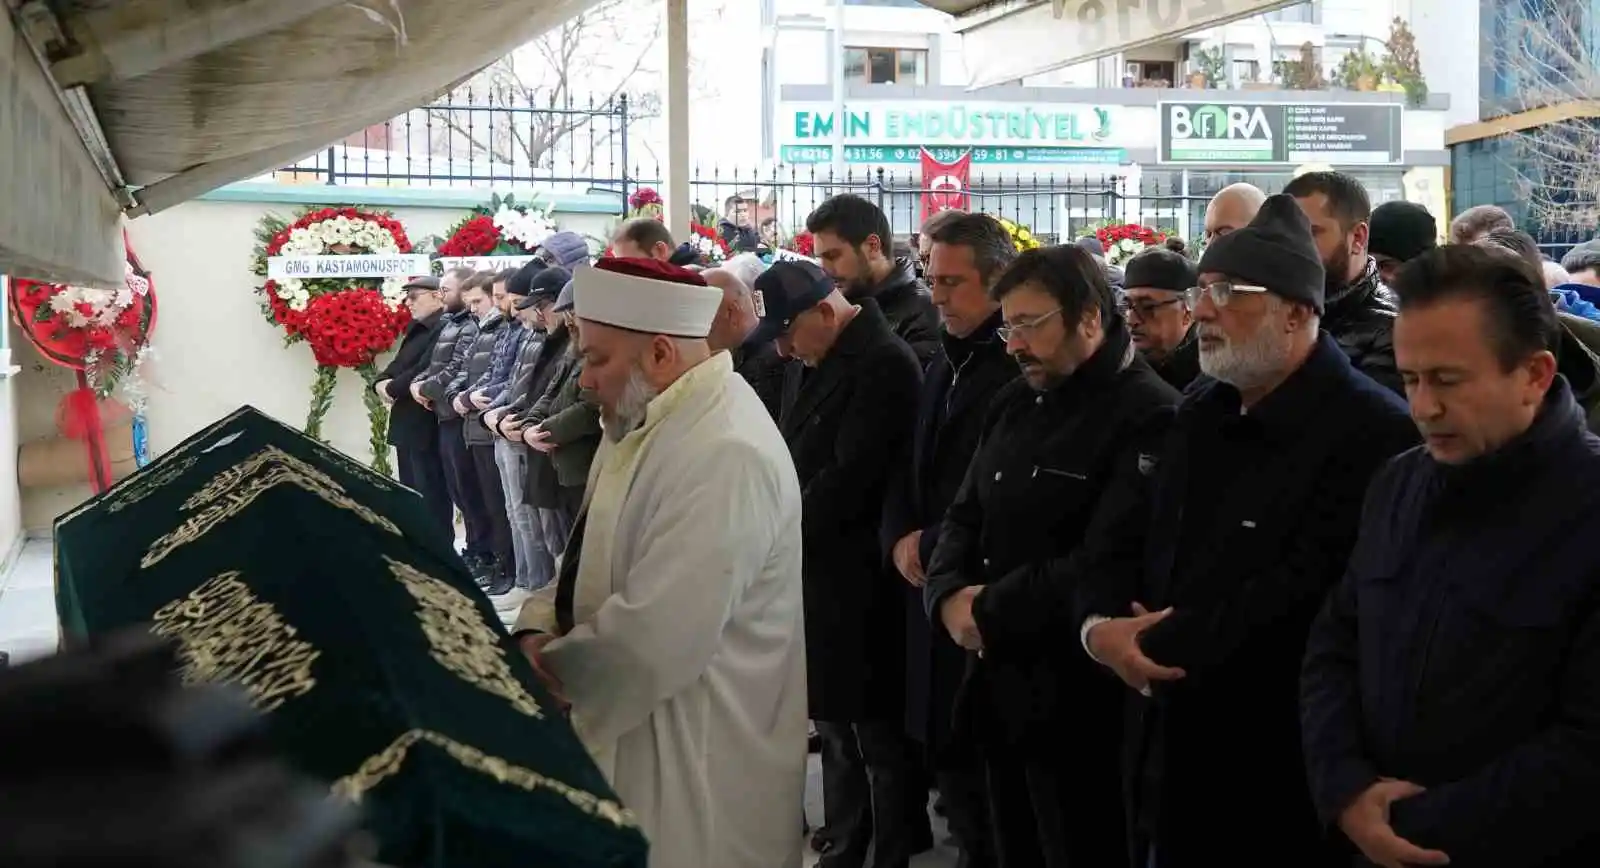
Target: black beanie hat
[(1275, 252), (1402, 230), (1159, 268), (521, 283)]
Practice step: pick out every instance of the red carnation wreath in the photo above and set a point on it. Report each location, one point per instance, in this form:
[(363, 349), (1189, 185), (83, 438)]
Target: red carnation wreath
[(347, 322), (103, 335), (1123, 241), (504, 227)]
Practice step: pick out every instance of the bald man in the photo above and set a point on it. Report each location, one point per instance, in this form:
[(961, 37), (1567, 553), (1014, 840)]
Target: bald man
[(1232, 208), (757, 361)]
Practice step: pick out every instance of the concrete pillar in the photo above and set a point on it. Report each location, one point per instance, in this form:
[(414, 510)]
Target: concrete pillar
[(677, 193)]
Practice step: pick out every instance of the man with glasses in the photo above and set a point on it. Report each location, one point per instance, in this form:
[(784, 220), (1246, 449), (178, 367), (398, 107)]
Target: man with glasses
[(1157, 311), (413, 431), (1047, 722), (1202, 600)]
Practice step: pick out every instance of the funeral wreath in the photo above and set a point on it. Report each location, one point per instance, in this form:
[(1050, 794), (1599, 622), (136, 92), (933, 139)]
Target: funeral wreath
[(346, 321)]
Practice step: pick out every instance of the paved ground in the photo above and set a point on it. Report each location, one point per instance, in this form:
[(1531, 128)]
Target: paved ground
[(28, 629)]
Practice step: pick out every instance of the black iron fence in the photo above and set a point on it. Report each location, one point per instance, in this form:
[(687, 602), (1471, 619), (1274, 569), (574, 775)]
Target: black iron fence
[(500, 137)]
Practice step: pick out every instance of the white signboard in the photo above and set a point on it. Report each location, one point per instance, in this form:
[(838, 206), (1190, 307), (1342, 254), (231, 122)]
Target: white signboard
[(1030, 38), (485, 263), (781, 255), (359, 265)]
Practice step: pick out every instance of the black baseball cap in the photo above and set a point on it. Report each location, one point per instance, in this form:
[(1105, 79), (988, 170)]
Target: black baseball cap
[(546, 286), (784, 291)]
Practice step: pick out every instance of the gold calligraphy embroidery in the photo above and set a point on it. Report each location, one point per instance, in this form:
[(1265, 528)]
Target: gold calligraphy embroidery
[(385, 764), (143, 486), (225, 634), (334, 456), (461, 641), (234, 489)]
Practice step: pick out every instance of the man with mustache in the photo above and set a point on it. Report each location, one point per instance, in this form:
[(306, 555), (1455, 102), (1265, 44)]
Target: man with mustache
[(1358, 310), (1046, 720), (1156, 306), (1449, 697), (675, 626), (1201, 601), (847, 429)]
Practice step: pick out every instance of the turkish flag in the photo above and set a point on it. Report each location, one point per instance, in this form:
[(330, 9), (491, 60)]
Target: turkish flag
[(944, 185)]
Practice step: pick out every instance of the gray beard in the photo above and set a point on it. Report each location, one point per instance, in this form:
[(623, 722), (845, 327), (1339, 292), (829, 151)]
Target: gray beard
[(631, 407), (1248, 364)]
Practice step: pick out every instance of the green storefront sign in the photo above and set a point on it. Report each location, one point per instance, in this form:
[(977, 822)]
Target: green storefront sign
[(995, 133), (888, 154)]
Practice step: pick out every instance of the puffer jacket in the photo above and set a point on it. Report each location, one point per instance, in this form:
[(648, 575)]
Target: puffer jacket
[(543, 483), (1360, 317), (449, 355), (480, 359), (507, 347), (573, 423)]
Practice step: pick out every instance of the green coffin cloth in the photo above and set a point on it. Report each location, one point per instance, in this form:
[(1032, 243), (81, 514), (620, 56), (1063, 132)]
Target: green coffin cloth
[(328, 594)]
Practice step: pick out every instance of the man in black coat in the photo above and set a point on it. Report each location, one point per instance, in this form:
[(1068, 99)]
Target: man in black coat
[(1256, 495), (1450, 697), (1358, 310), (413, 431), (854, 243), (967, 255), (1155, 303), (1046, 721), (847, 430), (734, 332)]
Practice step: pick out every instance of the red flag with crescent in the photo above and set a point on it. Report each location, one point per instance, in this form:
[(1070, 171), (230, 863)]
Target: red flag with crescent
[(944, 185)]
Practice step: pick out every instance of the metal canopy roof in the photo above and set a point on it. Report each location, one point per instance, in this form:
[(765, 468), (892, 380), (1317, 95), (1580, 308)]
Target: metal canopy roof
[(133, 106)]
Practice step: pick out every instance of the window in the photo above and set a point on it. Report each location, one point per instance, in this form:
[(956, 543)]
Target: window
[(886, 65), (1150, 73), (1300, 13)]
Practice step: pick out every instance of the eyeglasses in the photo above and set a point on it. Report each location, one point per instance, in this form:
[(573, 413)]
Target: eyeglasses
[(1220, 292), (1022, 329), (1144, 309)]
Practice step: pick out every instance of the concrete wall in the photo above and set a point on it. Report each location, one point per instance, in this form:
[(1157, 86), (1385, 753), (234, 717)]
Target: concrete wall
[(213, 349)]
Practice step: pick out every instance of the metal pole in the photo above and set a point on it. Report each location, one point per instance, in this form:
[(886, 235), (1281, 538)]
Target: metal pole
[(677, 179), (839, 118)]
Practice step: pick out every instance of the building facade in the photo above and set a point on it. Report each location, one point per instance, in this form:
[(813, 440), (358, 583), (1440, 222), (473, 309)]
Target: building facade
[(1164, 126), (1530, 146)]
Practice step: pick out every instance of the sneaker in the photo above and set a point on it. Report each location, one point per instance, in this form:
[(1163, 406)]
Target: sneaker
[(499, 583), (511, 600)]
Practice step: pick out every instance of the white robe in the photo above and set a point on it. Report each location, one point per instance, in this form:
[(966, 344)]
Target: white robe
[(686, 667)]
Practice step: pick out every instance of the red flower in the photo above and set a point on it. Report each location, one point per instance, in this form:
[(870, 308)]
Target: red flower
[(644, 196), (804, 244), (348, 328)]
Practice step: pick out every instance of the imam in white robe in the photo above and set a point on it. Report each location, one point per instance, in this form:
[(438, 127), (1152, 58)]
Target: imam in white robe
[(686, 664)]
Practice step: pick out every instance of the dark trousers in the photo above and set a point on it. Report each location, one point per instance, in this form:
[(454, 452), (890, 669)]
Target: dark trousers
[(462, 478), (422, 471), (1052, 813), (872, 794), (493, 495), (966, 802)]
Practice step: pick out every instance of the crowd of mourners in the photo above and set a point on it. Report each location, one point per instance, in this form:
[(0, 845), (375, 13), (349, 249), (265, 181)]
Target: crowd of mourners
[(1267, 553)]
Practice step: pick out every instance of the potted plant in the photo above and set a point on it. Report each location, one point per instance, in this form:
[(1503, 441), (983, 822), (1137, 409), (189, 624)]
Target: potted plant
[(1403, 64), (1359, 70), (1304, 73), (1209, 68)]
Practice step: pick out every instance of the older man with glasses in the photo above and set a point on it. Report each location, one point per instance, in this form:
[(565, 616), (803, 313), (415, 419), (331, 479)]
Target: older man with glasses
[(1202, 597), (1158, 313)]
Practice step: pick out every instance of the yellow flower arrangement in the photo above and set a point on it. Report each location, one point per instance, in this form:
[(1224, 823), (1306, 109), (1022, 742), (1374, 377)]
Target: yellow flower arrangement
[(1021, 235)]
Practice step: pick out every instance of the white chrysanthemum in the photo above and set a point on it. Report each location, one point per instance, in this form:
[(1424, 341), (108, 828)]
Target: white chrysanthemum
[(64, 299)]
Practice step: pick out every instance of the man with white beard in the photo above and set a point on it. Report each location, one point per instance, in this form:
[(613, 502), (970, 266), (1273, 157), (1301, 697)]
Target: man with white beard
[(675, 627), (1203, 595)]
